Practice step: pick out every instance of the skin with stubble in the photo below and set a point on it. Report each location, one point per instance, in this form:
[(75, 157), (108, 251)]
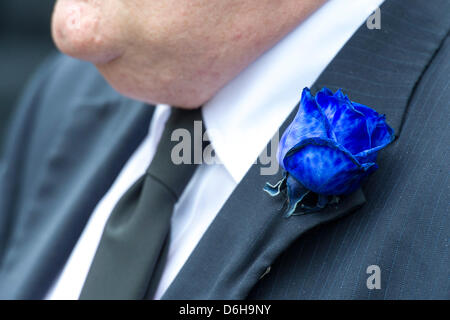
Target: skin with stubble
[(178, 52)]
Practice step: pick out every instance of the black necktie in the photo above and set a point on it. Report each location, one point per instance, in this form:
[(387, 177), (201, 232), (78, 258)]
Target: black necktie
[(135, 233)]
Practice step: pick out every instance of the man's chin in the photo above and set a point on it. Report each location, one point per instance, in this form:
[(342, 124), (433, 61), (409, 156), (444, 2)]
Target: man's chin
[(149, 89)]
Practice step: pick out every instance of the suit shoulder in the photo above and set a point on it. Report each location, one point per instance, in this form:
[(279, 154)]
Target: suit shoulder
[(55, 94), (65, 79), (58, 86), (52, 100)]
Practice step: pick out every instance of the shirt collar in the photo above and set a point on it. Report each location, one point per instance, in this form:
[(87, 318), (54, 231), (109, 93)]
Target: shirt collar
[(244, 115)]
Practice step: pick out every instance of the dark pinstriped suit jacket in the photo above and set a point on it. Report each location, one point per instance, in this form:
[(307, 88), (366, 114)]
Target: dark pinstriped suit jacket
[(72, 135)]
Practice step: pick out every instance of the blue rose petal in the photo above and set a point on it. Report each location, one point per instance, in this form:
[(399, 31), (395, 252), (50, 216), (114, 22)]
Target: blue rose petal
[(310, 122), (348, 124), (325, 167), (383, 134), (372, 119)]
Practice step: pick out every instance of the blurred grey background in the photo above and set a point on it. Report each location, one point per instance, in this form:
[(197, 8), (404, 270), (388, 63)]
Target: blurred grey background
[(24, 42)]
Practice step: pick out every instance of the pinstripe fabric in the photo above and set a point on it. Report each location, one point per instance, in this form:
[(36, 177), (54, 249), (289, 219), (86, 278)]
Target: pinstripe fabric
[(404, 225)]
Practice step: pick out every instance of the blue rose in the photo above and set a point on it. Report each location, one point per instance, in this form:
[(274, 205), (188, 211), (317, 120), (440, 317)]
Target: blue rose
[(329, 148)]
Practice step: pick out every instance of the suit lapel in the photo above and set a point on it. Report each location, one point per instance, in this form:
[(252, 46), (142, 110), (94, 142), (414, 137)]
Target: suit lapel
[(244, 239), (248, 233)]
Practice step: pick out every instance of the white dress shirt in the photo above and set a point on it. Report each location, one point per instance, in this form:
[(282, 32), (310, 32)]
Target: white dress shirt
[(240, 120)]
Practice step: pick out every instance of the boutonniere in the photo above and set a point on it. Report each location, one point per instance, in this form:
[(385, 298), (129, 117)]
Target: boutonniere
[(327, 151)]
